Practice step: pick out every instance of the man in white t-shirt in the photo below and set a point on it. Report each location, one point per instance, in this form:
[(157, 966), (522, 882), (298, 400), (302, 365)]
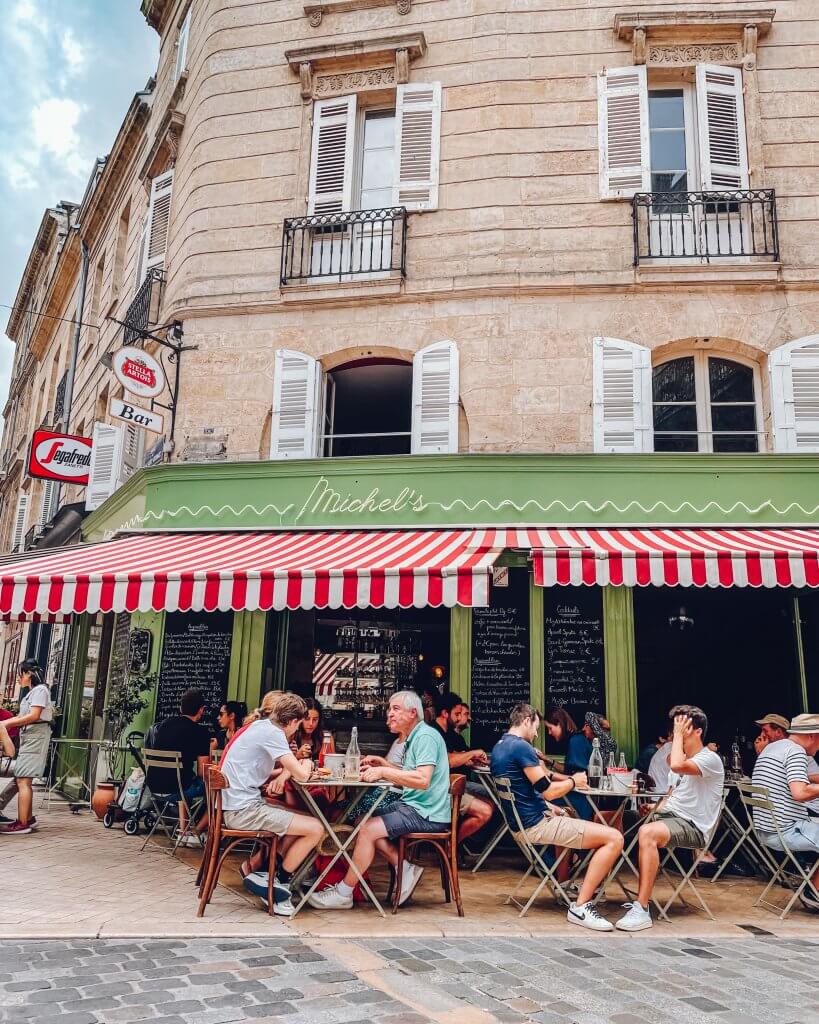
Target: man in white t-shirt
[(658, 769), (249, 760), (688, 815)]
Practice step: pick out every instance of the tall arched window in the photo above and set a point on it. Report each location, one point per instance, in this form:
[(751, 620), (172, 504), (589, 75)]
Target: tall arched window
[(706, 403)]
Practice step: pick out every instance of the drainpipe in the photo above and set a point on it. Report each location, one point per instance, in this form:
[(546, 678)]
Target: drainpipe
[(75, 348)]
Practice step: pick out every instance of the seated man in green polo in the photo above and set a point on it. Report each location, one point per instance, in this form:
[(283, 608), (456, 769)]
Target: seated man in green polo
[(424, 805)]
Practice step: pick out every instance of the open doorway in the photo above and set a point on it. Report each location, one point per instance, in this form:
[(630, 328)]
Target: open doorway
[(368, 409), (731, 651)]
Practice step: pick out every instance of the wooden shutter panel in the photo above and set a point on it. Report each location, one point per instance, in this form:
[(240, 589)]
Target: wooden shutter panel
[(296, 398), (435, 390), (622, 127), (182, 46), (622, 408), (721, 122), (159, 216), (106, 459), (19, 523), (132, 445), (49, 505), (794, 377), (332, 156), (417, 145)]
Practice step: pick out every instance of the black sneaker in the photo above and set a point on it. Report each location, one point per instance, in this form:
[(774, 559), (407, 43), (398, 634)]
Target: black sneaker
[(6, 821)]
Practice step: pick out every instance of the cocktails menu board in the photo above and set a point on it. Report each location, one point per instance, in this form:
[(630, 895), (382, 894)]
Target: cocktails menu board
[(500, 659), (573, 650), (195, 654)]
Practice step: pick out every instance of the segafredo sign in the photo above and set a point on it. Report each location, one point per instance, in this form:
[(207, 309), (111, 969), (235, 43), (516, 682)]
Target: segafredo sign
[(138, 372), (144, 418), (64, 457)]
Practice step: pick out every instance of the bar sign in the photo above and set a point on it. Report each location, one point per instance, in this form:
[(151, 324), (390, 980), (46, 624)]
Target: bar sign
[(144, 418)]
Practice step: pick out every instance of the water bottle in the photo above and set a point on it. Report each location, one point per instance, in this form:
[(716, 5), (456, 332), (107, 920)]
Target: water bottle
[(595, 765), (623, 767), (736, 759), (352, 759), (611, 769), (327, 747)]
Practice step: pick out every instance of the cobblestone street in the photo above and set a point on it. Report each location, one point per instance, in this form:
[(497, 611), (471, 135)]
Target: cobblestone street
[(574, 980)]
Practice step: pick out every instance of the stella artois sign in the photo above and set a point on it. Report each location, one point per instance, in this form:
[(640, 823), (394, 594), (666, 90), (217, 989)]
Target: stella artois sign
[(63, 457), (138, 372)]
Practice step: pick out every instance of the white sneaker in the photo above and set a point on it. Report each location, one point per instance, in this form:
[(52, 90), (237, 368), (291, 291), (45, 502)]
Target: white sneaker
[(635, 919), (331, 899), (191, 839), (587, 917), (410, 877), (284, 908)]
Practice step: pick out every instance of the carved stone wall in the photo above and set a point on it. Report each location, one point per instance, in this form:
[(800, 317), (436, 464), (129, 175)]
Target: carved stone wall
[(353, 81)]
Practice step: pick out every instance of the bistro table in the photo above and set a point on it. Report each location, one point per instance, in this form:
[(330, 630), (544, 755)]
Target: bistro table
[(331, 828), (484, 776)]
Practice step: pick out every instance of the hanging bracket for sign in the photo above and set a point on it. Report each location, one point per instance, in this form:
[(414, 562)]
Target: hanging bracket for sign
[(168, 336)]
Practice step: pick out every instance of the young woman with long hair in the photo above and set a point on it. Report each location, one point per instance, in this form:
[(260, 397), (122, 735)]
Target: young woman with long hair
[(34, 721)]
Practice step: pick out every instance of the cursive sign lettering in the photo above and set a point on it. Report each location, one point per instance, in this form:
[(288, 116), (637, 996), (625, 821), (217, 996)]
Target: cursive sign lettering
[(324, 500)]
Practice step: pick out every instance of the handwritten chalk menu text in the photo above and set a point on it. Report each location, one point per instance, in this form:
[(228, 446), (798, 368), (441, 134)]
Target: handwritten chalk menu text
[(573, 649), (500, 659), (195, 654)]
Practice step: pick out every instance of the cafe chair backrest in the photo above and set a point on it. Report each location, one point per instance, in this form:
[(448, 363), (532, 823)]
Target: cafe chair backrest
[(503, 787), (457, 788), (164, 759)]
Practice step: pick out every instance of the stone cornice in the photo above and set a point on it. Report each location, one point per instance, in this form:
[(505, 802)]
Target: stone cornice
[(25, 293), (155, 11), (315, 10), (359, 57), (62, 282), (738, 32), (129, 137)]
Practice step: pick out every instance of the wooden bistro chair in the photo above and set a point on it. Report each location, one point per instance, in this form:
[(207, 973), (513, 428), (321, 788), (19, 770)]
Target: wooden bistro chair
[(223, 840), (445, 845)]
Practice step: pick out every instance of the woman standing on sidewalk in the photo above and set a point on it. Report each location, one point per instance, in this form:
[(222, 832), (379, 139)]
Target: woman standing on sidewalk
[(34, 720)]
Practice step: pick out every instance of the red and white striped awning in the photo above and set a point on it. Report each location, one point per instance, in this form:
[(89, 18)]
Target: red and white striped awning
[(672, 557), (224, 571)]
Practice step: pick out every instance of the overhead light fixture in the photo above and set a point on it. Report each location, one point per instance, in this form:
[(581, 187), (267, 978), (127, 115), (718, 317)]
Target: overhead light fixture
[(681, 619)]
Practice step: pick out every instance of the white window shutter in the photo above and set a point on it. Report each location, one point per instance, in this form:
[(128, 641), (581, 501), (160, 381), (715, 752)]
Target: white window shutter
[(19, 523), (622, 128), (49, 505), (132, 445), (721, 123), (182, 46), (332, 156), (294, 431), (159, 216), (417, 145), (794, 377), (435, 391), (622, 407), (106, 460)]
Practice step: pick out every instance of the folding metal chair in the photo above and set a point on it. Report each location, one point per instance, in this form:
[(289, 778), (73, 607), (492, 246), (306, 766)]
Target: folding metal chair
[(785, 864), (532, 853), (165, 806), (745, 838)]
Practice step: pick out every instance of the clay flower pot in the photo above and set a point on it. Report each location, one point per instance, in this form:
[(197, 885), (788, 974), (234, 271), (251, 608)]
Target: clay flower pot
[(103, 794)]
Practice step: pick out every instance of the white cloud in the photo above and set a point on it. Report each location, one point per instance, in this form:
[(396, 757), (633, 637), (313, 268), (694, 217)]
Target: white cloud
[(54, 123), (74, 52)]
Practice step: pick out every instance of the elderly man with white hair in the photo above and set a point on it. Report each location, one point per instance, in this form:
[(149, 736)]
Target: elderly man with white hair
[(424, 805)]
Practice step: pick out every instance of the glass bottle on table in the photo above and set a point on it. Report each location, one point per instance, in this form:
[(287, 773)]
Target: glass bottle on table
[(595, 770), (622, 767), (327, 746), (611, 769), (352, 759)]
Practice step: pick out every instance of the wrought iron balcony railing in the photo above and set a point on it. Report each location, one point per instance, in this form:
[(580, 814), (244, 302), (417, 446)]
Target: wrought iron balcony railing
[(341, 246), (737, 225), (144, 309)]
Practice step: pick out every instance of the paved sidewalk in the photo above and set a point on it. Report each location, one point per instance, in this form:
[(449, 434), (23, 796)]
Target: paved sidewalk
[(410, 981), (93, 882)]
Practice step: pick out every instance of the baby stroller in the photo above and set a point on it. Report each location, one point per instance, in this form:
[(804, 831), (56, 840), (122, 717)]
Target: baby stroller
[(133, 804)]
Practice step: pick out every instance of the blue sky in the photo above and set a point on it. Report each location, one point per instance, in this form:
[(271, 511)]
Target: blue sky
[(70, 69)]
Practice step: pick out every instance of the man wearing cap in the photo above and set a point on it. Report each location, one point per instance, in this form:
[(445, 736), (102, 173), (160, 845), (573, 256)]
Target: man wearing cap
[(782, 768), (774, 727)]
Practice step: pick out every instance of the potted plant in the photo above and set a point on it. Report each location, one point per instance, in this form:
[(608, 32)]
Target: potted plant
[(128, 698)]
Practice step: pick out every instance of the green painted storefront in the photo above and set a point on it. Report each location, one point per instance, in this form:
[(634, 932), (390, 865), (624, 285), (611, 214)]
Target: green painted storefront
[(443, 491)]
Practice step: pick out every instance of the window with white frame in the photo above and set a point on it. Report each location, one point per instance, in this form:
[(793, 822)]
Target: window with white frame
[(181, 64), (367, 407), (705, 402)]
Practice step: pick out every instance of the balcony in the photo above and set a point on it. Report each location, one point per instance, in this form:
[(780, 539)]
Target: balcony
[(733, 227), (144, 309), (361, 245)]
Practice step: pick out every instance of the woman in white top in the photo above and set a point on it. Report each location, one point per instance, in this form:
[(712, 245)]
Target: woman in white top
[(34, 721)]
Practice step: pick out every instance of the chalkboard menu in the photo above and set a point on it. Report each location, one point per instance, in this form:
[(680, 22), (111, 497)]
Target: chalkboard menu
[(500, 659), (573, 648), (195, 653)]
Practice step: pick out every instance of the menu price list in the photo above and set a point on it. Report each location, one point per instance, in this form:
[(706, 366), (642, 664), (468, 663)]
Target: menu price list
[(500, 659), (195, 654), (573, 646)]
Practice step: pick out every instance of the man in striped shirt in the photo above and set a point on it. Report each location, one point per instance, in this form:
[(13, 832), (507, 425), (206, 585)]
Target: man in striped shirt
[(782, 768)]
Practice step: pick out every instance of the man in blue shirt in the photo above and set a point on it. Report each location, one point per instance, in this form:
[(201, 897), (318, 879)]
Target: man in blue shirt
[(515, 758)]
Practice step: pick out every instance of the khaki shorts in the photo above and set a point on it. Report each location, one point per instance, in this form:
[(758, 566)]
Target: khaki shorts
[(557, 830), (684, 833), (260, 817)]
